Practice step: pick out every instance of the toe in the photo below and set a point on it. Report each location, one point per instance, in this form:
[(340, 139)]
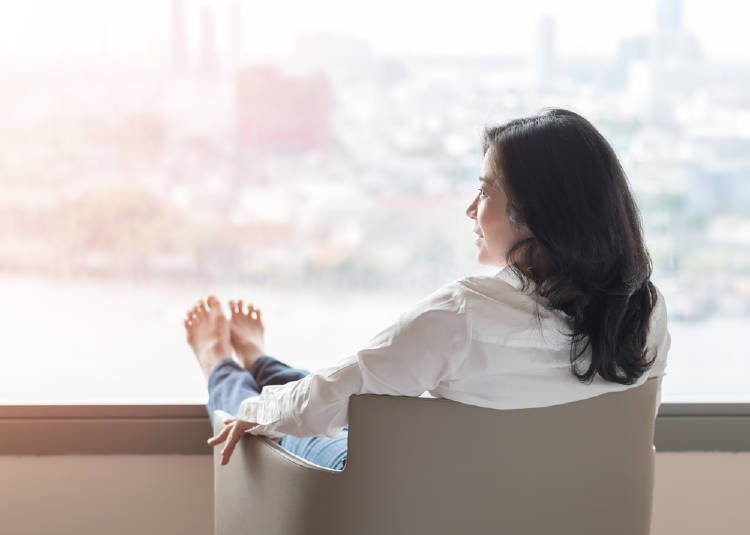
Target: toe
[(232, 307), (239, 307), (202, 309), (213, 302)]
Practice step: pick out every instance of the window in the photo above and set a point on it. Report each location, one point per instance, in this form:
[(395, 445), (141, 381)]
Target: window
[(319, 167)]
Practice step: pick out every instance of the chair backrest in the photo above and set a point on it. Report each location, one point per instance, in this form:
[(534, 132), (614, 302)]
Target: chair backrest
[(422, 465)]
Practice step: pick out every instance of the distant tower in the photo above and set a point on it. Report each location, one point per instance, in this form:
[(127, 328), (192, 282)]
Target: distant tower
[(545, 62), (666, 54), (179, 36), (280, 112), (236, 50), (208, 49), (669, 16)]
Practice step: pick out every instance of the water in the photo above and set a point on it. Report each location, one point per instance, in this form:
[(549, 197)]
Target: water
[(115, 342), (90, 342)]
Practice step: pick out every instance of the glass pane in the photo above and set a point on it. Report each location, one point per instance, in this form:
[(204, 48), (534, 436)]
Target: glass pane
[(320, 167)]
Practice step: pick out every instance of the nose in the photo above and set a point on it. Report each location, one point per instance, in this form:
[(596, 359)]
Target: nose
[(471, 211)]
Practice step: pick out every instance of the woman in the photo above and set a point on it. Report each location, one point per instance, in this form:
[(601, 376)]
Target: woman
[(571, 314)]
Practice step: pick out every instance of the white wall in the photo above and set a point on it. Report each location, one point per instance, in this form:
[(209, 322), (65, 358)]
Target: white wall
[(696, 493)]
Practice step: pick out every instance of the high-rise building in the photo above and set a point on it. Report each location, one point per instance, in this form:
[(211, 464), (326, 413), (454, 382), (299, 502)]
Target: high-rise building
[(669, 16), (235, 33), (208, 46), (178, 36), (544, 64), (280, 112)]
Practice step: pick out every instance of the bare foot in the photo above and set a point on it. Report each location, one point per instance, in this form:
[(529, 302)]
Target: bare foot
[(208, 334), (246, 333)]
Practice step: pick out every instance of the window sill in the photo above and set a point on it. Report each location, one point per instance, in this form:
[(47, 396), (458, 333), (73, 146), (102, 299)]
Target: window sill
[(184, 429)]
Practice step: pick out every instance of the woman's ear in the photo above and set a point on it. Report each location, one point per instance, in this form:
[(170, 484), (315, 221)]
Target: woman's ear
[(515, 219)]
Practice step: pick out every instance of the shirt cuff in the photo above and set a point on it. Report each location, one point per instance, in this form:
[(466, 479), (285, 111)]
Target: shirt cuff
[(265, 412), (265, 431), (261, 410)]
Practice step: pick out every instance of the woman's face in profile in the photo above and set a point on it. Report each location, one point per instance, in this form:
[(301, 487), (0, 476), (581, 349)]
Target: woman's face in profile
[(492, 225)]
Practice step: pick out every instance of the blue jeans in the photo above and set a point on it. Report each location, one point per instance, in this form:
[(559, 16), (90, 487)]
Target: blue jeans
[(229, 384)]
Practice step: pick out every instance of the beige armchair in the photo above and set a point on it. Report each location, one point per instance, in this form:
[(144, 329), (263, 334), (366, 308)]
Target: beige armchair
[(436, 466)]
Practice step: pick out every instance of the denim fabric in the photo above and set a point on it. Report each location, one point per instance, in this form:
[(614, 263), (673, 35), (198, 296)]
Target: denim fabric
[(229, 384)]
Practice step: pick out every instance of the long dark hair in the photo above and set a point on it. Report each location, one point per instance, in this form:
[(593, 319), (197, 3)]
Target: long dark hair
[(587, 256)]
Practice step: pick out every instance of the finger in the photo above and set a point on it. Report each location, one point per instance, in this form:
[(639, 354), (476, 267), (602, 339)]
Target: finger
[(226, 453), (218, 439)]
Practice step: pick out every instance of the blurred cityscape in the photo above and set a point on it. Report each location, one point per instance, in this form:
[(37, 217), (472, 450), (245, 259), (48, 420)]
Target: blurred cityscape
[(336, 167)]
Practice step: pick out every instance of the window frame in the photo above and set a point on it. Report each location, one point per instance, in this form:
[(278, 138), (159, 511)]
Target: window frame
[(184, 429)]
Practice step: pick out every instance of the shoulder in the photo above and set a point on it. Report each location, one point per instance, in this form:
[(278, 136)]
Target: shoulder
[(658, 340), (450, 297), (438, 315), (503, 292), (488, 285), (659, 313), (658, 318)]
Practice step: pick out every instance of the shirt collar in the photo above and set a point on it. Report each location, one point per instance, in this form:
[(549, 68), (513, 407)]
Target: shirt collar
[(507, 274)]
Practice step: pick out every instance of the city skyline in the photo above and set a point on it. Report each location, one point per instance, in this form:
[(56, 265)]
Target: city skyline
[(142, 185), (44, 31)]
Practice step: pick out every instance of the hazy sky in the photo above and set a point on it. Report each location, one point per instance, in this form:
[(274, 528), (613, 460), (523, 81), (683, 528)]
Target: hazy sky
[(54, 29)]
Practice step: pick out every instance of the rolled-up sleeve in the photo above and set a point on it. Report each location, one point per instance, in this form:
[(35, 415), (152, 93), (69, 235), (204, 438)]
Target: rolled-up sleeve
[(425, 345)]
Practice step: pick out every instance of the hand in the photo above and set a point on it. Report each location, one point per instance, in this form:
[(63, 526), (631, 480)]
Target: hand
[(235, 431)]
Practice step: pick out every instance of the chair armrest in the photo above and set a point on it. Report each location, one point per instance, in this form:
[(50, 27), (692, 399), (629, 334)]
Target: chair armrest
[(263, 482), (266, 442)]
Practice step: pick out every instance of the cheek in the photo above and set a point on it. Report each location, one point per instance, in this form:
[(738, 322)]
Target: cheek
[(496, 226), (490, 220)]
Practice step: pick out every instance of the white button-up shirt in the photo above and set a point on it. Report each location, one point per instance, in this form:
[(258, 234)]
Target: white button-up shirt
[(476, 340)]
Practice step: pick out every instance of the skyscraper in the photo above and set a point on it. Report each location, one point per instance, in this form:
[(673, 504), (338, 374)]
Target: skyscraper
[(669, 16), (236, 48), (208, 46), (544, 64), (281, 112), (179, 36)]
